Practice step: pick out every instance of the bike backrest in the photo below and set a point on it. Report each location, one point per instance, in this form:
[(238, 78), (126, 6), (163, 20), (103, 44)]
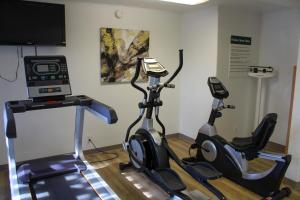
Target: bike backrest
[(264, 131)]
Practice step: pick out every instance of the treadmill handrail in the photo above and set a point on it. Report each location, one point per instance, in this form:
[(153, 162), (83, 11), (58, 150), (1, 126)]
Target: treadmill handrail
[(105, 112)]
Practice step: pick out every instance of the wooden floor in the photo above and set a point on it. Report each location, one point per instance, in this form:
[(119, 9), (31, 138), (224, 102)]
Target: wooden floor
[(136, 186)]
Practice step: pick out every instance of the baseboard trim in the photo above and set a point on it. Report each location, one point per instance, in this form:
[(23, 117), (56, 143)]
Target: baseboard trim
[(88, 151), (186, 138), (106, 148), (270, 145), (295, 185), (291, 183), (3, 167), (173, 135)]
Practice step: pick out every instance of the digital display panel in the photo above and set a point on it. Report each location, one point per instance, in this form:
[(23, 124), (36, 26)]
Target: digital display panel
[(42, 68), (154, 66)]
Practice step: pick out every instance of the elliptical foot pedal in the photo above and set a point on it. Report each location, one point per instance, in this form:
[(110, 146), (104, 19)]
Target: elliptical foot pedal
[(169, 179), (190, 160), (203, 170)]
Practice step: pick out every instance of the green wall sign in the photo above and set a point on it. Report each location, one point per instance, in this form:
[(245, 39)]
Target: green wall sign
[(240, 40)]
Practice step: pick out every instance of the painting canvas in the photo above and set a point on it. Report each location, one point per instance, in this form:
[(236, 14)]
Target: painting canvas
[(120, 49)]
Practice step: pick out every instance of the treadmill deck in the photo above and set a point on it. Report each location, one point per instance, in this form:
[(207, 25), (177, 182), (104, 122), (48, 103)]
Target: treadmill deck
[(72, 186)]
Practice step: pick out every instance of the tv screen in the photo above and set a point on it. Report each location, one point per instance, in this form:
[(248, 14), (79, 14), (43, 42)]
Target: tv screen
[(32, 23)]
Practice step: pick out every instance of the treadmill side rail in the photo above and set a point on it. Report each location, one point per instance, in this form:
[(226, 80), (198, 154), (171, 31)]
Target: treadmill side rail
[(18, 191), (79, 122), (93, 178)]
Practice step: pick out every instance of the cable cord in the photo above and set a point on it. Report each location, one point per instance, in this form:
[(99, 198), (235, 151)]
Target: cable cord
[(115, 155), (16, 73)]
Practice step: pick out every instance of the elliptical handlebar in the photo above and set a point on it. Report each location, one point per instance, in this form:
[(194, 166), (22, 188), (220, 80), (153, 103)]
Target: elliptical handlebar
[(167, 83), (178, 69), (135, 77)]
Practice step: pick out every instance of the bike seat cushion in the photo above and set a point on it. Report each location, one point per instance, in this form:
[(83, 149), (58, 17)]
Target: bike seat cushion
[(242, 143), (260, 137)]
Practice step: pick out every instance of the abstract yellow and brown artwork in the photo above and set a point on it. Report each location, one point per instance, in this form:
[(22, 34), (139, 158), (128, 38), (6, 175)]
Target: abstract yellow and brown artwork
[(119, 51)]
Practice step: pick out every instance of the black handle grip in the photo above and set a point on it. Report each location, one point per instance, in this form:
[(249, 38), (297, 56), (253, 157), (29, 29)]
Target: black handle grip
[(231, 106), (218, 114), (135, 77), (177, 70), (169, 86)]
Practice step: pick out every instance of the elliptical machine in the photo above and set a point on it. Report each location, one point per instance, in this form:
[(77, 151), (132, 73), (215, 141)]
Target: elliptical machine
[(231, 158), (148, 148)]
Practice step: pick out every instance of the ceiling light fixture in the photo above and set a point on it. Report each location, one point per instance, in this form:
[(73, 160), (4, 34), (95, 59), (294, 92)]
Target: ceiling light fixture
[(187, 2)]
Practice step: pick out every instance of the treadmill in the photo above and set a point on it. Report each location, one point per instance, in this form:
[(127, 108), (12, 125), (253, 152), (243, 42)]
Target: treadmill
[(61, 177)]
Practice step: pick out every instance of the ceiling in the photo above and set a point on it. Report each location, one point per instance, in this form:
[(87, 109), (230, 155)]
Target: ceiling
[(259, 5)]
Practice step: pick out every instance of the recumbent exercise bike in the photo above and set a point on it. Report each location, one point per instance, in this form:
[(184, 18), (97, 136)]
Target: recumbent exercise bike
[(231, 158)]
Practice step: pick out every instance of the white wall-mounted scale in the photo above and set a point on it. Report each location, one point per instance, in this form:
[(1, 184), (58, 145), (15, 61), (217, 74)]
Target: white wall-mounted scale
[(260, 72)]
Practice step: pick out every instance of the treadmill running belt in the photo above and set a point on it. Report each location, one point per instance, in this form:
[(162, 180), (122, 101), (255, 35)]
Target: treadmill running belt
[(71, 186)]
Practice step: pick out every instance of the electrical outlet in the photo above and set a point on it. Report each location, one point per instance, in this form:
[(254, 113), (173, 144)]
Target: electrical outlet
[(88, 142), (89, 138), (235, 130)]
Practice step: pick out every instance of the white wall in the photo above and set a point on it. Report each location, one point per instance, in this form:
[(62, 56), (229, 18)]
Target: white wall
[(199, 39), (294, 148), (43, 133), (237, 21), (278, 48)]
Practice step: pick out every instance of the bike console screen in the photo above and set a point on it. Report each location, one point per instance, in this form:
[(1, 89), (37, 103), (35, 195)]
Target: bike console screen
[(47, 76), (217, 89)]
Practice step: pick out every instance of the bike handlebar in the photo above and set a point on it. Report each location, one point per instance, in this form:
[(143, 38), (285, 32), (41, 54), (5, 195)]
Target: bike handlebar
[(169, 85), (166, 84)]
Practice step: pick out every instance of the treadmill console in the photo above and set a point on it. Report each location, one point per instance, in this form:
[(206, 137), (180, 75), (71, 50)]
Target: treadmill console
[(47, 76), (217, 89), (154, 68)]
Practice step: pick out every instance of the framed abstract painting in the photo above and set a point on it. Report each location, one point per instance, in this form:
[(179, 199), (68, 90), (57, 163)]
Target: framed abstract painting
[(119, 51)]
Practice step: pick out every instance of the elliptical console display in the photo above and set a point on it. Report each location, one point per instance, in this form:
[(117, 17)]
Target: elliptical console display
[(153, 68)]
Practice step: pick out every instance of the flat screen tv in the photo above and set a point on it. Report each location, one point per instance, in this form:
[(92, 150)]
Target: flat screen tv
[(32, 23)]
